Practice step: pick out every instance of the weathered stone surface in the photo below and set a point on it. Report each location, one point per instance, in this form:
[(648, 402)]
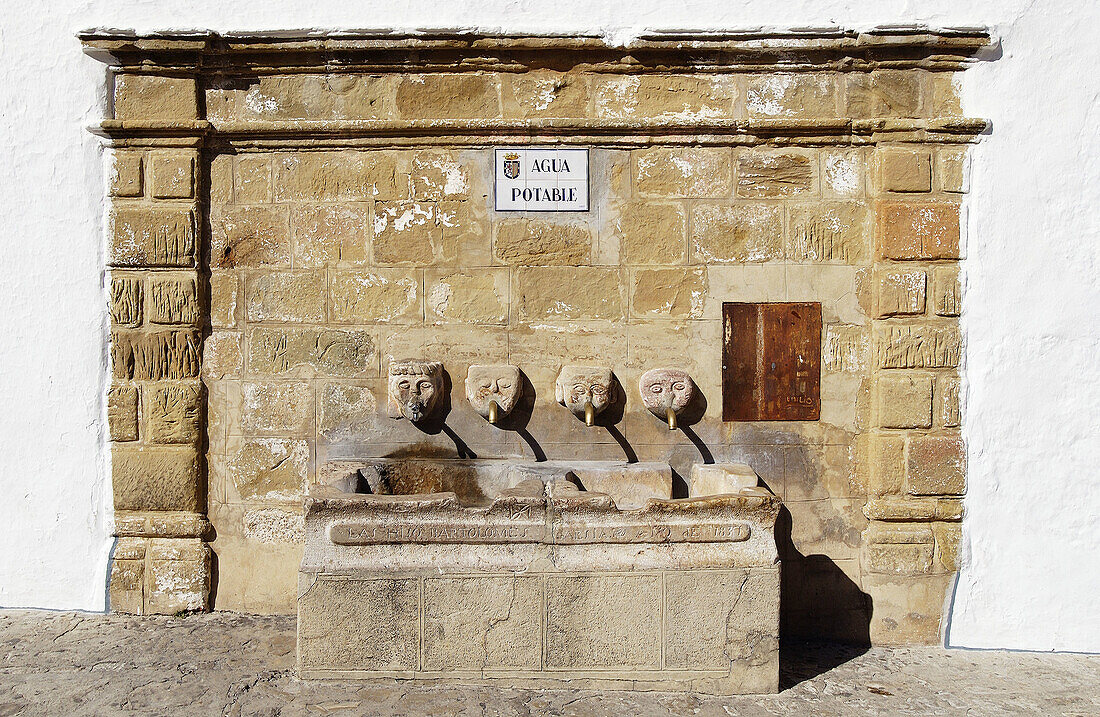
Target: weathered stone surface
[(829, 232), (720, 478), (845, 348), (406, 233), (953, 169), (151, 236), (917, 346), (626, 607), (467, 235), (270, 469), (439, 175), (125, 174), (330, 234), (544, 93), (900, 292), (154, 356), (376, 296), (651, 233), (448, 96), (883, 93), (681, 97), (885, 463), (174, 300), (177, 576), (903, 401), (415, 387), (253, 179), (336, 176), (937, 465), (898, 548), (158, 478), (478, 623), (127, 301), (477, 296), (567, 293), (946, 291), (531, 242), (276, 408), (770, 174), (905, 170), (682, 172), (747, 232), (301, 96), (249, 237), (224, 288), (312, 351), (174, 412), (842, 173), (908, 610), (669, 293), (221, 179), (914, 509), (947, 394), (791, 95), (122, 406), (919, 231), (293, 297), (173, 175), (346, 411), (631, 487), (126, 586), (948, 536), (946, 95), (335, 632), (153, 97), (221, 355)]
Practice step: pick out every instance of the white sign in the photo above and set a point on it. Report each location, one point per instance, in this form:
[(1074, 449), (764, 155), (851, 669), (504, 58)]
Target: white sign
[(542, 180)]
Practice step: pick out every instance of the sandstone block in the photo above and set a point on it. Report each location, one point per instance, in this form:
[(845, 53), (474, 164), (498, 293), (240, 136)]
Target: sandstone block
[(312, 351), (937, 465), (122, 404), (905, 170), (914, 509), (544, 93), (664, 96), (155, 356), (151, 97), (126, 586), (947, 393), (253, 179), (127, 301), (274, 408), (533, 242), (224, 289), (829, 232), (919, 231), (567, 293), (900, 292), (336, 176), (439, 175), (174, 300), (721, 478), (948, 537), (842, 173), (467, 235), (946, 291), (376, 296), (158, 478), (626, 607), (221, 355), (907, 610), (903, 401), (174, 412), (249, 237), (173, 176), (883, 93), (270, 469), (885, 464), (917, 346), (478, 296), (221, 179), (747, 232), (669, 293), (151, 236), (791, 95), (899, 558), (336, 632), (292, 297), (946, 95), (328, 234), (651, 233), (845, 348), (478, 623), (631, 488), (124, 174), (406, 233), (683, 172), (448, 96), (769, 174), (953, 169), (345, 411), (178, 584)]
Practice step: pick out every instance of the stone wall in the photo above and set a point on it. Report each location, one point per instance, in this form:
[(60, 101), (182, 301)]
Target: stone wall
[(345, 218)]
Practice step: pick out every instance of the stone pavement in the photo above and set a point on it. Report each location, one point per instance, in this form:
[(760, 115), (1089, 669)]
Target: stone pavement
[(229, 664)]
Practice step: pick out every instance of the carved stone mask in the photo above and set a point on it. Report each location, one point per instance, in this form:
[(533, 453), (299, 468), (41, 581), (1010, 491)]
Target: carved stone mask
[(665, 388), (415, 387), (487, 383), (578, 385)]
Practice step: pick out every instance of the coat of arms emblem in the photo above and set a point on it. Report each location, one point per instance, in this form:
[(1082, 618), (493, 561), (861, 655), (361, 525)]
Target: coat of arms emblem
[(511, 165)]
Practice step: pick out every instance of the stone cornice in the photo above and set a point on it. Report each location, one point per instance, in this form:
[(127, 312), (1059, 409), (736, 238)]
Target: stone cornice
[(838, 49)]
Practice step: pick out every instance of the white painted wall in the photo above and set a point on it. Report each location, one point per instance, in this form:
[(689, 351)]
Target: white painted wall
[(1033, 334)]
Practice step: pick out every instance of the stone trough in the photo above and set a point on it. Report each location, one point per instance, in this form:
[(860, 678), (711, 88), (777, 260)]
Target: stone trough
[(584, 573)]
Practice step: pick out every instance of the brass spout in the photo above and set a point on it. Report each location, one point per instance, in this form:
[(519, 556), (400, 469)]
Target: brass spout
[(671, 416), (589, 414), (493, 408)]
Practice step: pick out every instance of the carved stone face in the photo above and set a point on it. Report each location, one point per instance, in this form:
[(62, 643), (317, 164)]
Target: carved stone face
[(665, 388), (578, 385), (415, 387), (487, 383)]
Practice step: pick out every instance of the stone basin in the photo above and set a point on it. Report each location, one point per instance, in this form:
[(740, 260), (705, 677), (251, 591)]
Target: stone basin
[(575, 572)]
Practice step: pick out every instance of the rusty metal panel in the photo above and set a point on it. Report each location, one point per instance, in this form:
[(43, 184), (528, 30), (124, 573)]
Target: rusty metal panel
[(771, 362)]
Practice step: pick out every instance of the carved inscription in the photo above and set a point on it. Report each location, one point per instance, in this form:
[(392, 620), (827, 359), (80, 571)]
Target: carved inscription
[(845, 348), (126, 296), (368, 534), (155, 356), (174, 413), (152, 237), (175, 301), (666, 533), (335, 353), (918, 346)]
